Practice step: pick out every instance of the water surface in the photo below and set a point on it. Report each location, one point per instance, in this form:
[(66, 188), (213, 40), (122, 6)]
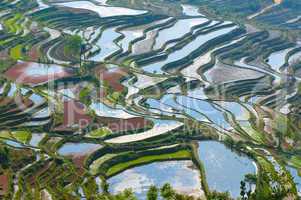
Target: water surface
[(180, 174), (224, 169), (77, 148), (102, 10)]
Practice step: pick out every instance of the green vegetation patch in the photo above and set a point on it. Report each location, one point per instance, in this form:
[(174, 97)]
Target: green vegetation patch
[(6, 63), (183, 154), (12, 23), (16, 52), (101, 132), (22, 136)]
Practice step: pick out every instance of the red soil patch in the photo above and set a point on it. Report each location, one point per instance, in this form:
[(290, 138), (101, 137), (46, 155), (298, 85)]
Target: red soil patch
[(112, 77), (34, 53), (101, 94), (5, 101), (17, 104), (3, 184), (22, 103), (123, 125), (75, 115), (79, 161), (19, 73)]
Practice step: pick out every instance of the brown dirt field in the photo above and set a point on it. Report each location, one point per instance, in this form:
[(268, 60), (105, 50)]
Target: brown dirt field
[(75, 113), (101, 94), (18, 104), (18, 74), (33, 54), (22, 104), (79, 161), (112, 76), (5, 101), (4, 184)]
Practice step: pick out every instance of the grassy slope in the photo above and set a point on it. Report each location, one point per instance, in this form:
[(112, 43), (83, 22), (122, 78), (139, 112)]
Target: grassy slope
[(183, 154)]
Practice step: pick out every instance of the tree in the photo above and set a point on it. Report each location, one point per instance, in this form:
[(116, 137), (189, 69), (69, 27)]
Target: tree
[(4, 158), (105, 186), (243, 190), (167, 192), (73, 45), (152, 193), (126, 195), (214, 195)]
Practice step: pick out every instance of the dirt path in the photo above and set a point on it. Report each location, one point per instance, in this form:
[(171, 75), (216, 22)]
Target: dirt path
[(262, 11)]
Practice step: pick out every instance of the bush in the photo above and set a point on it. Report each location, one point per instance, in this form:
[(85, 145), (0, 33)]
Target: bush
[(73, 45)]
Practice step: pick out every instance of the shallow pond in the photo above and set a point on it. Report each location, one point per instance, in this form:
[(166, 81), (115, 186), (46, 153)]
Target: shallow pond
[(77, 148), (180, 174), (42, 5), (130, 35), (36, 139), (12, 91), (37, 99), (242, 63), (14, 144), (36, 73), (224, 169), (186, 50), (239, 112), (102, 10), (179, 29), (105, 111), (277, 59), (206, 108), (191, 10), (106, 44), (160, 127), (168, 104), (38, 69), (297, 178)]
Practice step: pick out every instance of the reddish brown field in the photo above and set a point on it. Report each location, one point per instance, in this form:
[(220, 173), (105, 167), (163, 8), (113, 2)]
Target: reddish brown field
[(19, 73), (79, 161), (3, 184), (112, 77), (5, 101), (18, 104), (101, 93), (75, 113), (33, 54)]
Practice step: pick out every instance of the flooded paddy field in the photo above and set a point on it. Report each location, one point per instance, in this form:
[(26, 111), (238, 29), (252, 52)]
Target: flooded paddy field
[(180, 174), (118, 98)]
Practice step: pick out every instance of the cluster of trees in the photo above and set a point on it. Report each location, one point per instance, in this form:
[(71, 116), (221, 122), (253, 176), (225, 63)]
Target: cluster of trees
[(4, 157), (73, 46), (166, 192)]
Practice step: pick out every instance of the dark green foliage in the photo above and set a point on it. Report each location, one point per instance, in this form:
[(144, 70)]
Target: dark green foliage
[(214, 195), (6, 63), (73, 45), (167, 192), (4, 157), (152, 193)]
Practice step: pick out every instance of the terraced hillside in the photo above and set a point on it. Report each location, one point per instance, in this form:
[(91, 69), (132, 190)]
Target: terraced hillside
[(132, 99)]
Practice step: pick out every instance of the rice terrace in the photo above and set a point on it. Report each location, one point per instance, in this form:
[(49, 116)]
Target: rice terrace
[(150, 99)]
